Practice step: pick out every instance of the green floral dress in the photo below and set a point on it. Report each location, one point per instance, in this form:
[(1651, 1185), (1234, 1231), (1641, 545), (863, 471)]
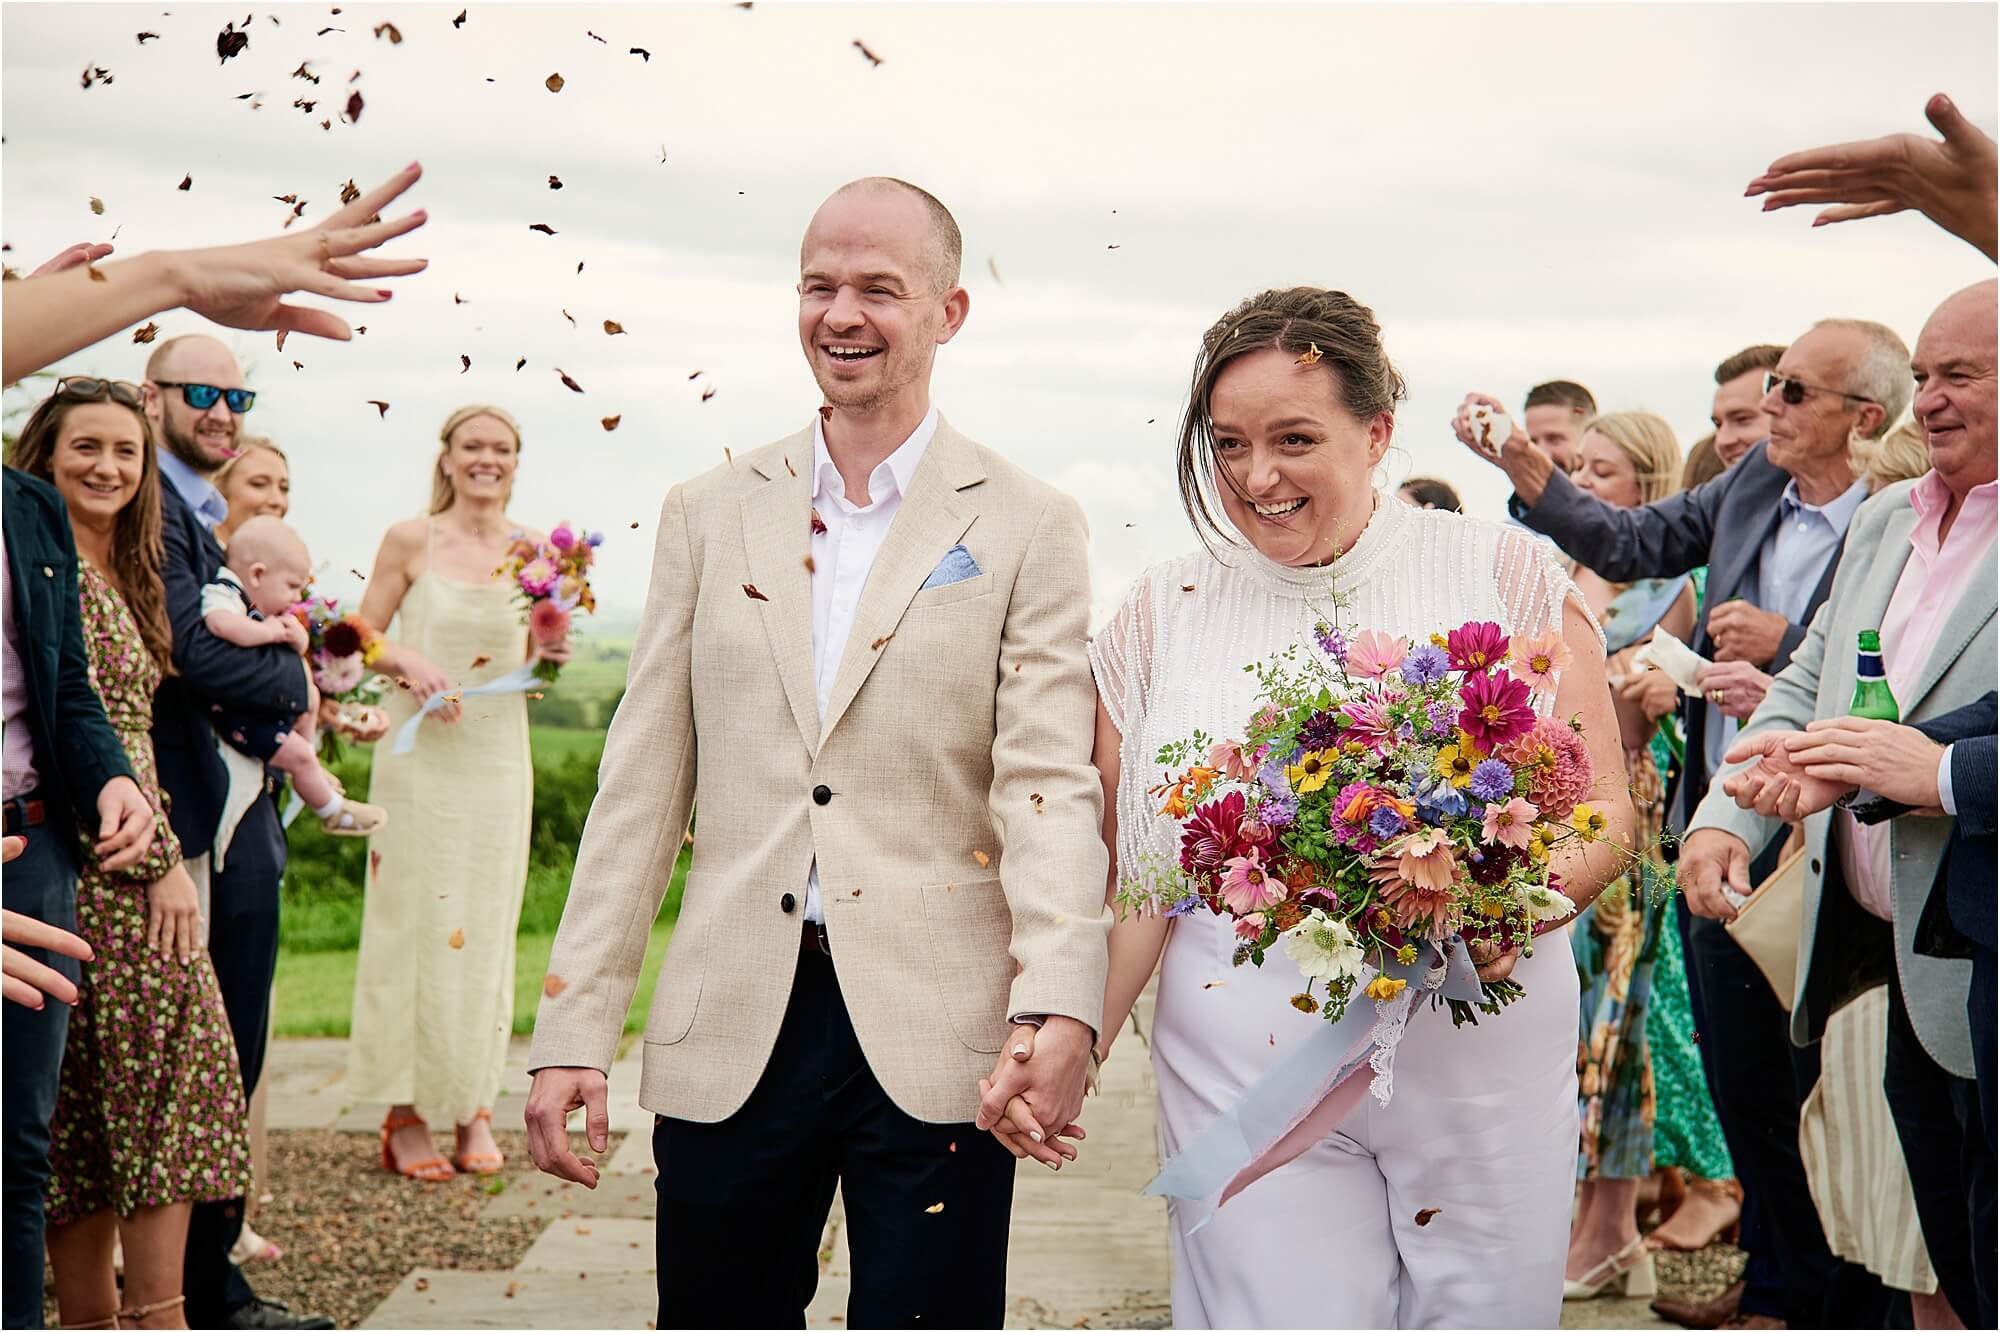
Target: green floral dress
[(151, 1108)]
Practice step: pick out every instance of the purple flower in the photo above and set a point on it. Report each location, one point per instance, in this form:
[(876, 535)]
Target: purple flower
[(1426, 665), (1273, 777), (1443, 716), (1279, 812), (1332, 642), (1321, 731), (1492, 780), (1182, 907), (1385, 823)]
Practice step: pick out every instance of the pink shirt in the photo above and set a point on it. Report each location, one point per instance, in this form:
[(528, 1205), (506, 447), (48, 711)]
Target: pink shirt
[(1934, 580), (17, 763)]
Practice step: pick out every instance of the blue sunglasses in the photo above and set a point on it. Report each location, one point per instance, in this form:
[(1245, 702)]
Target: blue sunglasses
[(201, 397)]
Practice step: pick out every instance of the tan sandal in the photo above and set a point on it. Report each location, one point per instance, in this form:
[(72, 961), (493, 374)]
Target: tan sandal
[(132, 1316), (479, 1163), (431, 1169)]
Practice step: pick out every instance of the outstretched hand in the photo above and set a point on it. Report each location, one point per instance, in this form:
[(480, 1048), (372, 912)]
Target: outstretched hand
[(1951, 182), (244, 286)]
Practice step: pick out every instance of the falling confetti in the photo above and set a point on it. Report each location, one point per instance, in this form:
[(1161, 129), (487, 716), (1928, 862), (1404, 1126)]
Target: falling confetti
[(146, 334), (1036, 800), (96, 273), (934, 1209), (145, 37), (230, 42), (457, 299), (613, 327), (1311, 355), (554, 83), (464, 363), (187, 183), (595, 38), (873, 59), (1214, 985), (572, 318), (348, 192), (1427, 1215), (457, 939), (568, 383), (298, 365), (518, 364), (811, 568), (983, 859), (1187, 587), (391, 31), (708, 393), (459, 22), (994, 269), (302, 72), (879, 643), (642, 53), (542, 227), (379, 406), (553, 985), (354, 107), (97, 205), (750, 591), (555, 182), (611, 422)]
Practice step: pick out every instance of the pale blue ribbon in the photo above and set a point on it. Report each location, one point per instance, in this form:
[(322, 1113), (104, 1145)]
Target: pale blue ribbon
[(517, 681), (1289, 1090)]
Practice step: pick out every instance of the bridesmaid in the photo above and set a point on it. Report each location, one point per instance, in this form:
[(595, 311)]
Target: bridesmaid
[(149, 1115), (434, 992)]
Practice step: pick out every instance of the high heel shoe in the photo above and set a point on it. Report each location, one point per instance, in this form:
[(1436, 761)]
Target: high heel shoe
[(1631, 1265)]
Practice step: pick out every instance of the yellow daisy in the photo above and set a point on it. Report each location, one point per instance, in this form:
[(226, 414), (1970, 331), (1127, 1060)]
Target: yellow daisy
[(1311, 772), (1455, 764)]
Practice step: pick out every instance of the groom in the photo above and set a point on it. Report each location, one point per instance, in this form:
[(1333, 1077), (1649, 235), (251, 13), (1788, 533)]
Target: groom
[(863, 659)]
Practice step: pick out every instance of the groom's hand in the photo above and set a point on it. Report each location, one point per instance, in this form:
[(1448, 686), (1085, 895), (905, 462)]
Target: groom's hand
[(1048, 1074), (556, 1092)]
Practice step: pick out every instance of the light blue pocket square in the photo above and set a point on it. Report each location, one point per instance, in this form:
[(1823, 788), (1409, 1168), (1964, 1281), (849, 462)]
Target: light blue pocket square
[(956, 566)]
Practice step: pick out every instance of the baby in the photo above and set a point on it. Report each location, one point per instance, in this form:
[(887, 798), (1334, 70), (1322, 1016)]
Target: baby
[(249, 604)]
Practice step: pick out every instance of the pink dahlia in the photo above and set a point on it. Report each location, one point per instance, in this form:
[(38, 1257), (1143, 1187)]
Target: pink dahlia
[(547, 622), (1557, 764), (1497, 711), (1417, 909), (1477, 646), (1213, 834), (1370, 724), (1247, 887)]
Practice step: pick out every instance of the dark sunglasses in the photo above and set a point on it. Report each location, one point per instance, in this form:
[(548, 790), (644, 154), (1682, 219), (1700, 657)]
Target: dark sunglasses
[(82, 388), (1795, 390), (201, 397)]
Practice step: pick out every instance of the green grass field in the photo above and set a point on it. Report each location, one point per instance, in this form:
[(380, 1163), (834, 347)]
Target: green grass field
[(551, 745), (315, 991)]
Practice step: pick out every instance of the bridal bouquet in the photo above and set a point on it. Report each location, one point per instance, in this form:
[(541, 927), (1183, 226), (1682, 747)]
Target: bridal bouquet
[(552, 579), (339, 649), (1388, 802)]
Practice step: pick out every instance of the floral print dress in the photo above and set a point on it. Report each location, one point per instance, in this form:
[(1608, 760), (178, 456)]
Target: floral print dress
[(151, 1108)]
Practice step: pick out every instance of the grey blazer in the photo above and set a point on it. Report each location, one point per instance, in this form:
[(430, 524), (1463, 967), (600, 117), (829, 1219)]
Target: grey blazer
[(1844, 950)]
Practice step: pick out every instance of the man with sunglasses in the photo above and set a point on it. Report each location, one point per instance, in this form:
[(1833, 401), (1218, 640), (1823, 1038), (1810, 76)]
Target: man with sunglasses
[(1770, 530), (196, 398)]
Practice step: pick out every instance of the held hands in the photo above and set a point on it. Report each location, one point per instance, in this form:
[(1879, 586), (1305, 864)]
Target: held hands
[(1035, 1093), (1714, 872), (243, 286), (1776, 786), (1744, 633), (1950, 182), (125, 825), (1736, 687), (173, 915), (554, 1093)]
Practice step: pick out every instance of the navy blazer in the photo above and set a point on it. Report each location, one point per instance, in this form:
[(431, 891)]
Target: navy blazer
[(76, 749), (263, 681), (1723, 524), (1961, 906)]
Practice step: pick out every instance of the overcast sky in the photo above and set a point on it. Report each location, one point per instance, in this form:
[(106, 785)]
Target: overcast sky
[(1520, 192)]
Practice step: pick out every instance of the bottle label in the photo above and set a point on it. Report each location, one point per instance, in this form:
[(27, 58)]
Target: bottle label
[(1868, 666)]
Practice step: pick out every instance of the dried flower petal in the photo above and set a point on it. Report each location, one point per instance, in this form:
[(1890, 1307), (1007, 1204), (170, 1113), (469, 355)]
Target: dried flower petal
[(642, 53), (611, 422), (873, 59), (464, 363), (459, 22), (379, 406), (542, 227), (553, 985), (391, 31), (97, 205), (348, 193), (457, 939), (554, 82), (749, 589), (187, 183), (1425, 1216), (568, 383), (983, 859), (1311, 355), (354, 107), (612, 326), (146, 334), (230, 42), (555, 182)]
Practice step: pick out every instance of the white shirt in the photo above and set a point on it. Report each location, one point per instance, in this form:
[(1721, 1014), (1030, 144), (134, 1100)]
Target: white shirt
[(842, 555)]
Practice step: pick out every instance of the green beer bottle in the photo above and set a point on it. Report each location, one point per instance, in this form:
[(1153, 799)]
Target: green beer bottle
[(1871, 688)]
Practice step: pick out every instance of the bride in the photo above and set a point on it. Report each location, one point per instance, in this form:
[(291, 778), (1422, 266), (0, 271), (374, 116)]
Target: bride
[(1449, 1206)]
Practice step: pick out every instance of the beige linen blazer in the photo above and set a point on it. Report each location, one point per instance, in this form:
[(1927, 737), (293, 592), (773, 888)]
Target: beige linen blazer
[(961, 859)]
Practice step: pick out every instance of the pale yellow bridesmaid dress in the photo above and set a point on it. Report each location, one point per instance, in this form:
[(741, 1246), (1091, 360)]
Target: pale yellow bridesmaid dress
[(434, 989)]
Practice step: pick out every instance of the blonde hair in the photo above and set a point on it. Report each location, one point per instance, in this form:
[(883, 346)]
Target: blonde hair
[(1900, 455), (1649, 442), (443, 496), (1703, 464), (246, 446)]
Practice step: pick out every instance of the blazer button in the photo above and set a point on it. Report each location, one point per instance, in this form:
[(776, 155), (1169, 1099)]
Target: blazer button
[(788, 904), (1815, 865), (48, 572), (822, 795)]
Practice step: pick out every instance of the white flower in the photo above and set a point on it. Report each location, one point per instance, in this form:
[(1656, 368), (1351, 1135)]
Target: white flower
[(1324, 948), (1546, 903)]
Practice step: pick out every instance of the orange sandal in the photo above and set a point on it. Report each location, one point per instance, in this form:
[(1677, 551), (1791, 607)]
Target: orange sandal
[(479, 1163), (431, 1169)]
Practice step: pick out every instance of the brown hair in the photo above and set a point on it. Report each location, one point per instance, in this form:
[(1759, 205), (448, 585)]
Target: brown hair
[(136, 548), (443, 496), (1763, 356), (1703, 464), (1562, 393), (1649, 442), (1299, 320)]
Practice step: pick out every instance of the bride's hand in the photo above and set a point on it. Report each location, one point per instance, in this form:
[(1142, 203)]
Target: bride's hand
[(1015, 1138), (1489, 962)]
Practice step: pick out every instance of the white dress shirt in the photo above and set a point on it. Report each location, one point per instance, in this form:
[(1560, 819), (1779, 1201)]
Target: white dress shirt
[(842, 555)]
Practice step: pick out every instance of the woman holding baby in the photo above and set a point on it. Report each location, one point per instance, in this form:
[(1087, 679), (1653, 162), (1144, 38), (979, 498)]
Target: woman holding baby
[(434, 992), (149, 1115)]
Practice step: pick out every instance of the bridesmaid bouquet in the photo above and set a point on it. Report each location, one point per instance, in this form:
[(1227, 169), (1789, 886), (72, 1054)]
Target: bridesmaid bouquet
[(339, 649), (552, 580), (1390, 808)]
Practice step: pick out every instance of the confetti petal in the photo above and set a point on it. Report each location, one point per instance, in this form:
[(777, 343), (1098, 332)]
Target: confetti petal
[(880, 643), (464, 363), (569, 383), (230, 42), (379, 406), (554, 83), (553, 985), (611, 422), (642, 53), (459, 22), (1427, 1215), (542, 227), (391, 31), (934, 1209), (613, 327), (97, 205), (518, 364), (146, 334), (555, 182), (750, 591), (873, 59), (457, 939), (983, 859), (187, 183), (354, 107), (1311, 355)]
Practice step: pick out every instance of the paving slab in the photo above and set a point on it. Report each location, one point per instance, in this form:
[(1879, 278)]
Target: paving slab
[(615, 1195), (1611, 1312), (430, 1298), (592, 1244)]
